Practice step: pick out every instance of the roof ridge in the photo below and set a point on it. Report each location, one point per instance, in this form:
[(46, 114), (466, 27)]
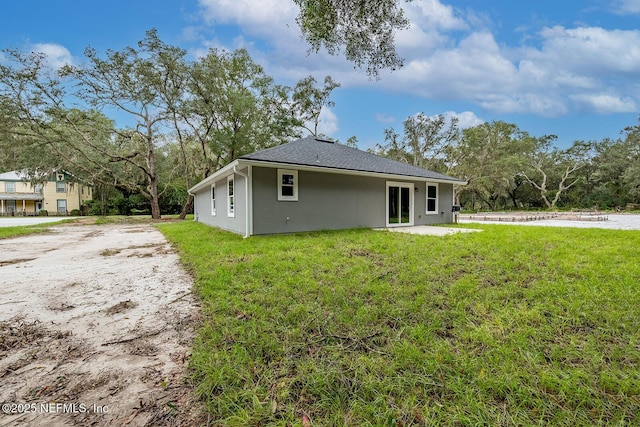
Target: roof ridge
[(324, 140)]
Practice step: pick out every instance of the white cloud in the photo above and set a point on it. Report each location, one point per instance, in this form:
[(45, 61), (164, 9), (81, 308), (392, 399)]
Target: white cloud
[(578, 68), (267, 17), (466, 119), (433, 14), (471, 70), (383, 118), (572, 69), (627, 7), (272, 37), (605, 104), (328, 123), (591, 50), (542, 104), (453, 55), (430, 22), (57, 55)]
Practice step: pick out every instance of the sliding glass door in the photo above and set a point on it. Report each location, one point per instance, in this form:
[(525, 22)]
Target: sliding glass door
[(399, 204)]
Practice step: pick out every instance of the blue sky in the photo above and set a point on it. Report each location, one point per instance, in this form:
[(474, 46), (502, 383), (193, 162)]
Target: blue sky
[(569, 68)]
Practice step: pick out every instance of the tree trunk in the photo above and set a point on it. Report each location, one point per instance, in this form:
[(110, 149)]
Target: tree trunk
[(546, 201), (152, 173), (186, 207), (155, 198)]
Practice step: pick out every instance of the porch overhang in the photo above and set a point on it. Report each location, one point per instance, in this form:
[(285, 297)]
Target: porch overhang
[(21, 196)]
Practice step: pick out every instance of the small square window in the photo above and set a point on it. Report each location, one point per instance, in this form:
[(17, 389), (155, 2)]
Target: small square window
[(287, 191), (61, 187), (10, 187), (432, 191), (287, 185), (287, 179)]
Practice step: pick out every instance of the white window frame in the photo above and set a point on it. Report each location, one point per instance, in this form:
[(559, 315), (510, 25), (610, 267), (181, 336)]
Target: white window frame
[(231, 197), (9, 189), (58, 205), (281, 197), (213, 199), (61, 187), (427, 198)]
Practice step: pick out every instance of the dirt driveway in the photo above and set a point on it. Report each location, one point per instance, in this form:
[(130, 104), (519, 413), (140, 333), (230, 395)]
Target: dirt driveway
[(96, 324)]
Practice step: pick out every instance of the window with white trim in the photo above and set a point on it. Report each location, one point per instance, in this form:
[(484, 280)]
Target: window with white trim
[(287, 185), (10, 187), (231, 198), (432, 198), (213, 199), (61, 187), (61, 204)]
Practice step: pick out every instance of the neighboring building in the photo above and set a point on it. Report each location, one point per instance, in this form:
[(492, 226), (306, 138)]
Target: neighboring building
[(313, 184), (59, 194)]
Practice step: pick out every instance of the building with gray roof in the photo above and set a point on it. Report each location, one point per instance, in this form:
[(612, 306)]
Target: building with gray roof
[(315, 184)]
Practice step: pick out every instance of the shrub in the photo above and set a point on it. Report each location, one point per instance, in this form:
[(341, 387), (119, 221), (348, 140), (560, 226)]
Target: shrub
[(43, 212), (135, 211), (75, 212)]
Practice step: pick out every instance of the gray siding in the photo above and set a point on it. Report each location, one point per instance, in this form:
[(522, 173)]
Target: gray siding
[(445, 202), (329, 201), (202, 206)]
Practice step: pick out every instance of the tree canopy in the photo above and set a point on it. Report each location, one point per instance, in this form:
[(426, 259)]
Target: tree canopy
[(363, 29), (145, 123), (176, 120)]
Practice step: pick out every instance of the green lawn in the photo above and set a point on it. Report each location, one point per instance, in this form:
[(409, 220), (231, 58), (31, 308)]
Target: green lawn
[(511, 326), (22, 230)]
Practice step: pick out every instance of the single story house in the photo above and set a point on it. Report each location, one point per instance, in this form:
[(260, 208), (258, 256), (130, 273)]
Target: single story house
[(314, 184), (58, 193)]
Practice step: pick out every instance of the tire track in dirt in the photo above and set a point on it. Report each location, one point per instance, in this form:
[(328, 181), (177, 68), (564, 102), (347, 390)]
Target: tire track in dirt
[(95, 317)]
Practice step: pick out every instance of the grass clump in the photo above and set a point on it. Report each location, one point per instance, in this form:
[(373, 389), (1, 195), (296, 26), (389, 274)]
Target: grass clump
[(23, 230), (136, 219), (511, 326)]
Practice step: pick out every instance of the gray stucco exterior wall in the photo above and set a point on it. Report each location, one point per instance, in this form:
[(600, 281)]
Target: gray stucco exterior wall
[(329, 201), (202, 205)]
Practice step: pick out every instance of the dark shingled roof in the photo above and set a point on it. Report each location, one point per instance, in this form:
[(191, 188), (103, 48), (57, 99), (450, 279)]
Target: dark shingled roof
[(311, 151)]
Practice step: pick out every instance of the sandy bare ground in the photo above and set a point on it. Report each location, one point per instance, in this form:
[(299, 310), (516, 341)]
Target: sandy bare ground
[(96, 324)]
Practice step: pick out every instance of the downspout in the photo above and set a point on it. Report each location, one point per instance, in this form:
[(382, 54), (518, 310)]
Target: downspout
[(247, 179), (195, 206)]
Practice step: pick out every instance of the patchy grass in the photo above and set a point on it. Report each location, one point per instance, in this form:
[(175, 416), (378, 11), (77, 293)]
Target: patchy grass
[(136, 219), (511, 326), (123, 219), (22, 230), (110, 252)]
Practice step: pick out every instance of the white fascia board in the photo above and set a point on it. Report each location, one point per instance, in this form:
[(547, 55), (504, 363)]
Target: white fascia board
[(350, 172), (221, 173)]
